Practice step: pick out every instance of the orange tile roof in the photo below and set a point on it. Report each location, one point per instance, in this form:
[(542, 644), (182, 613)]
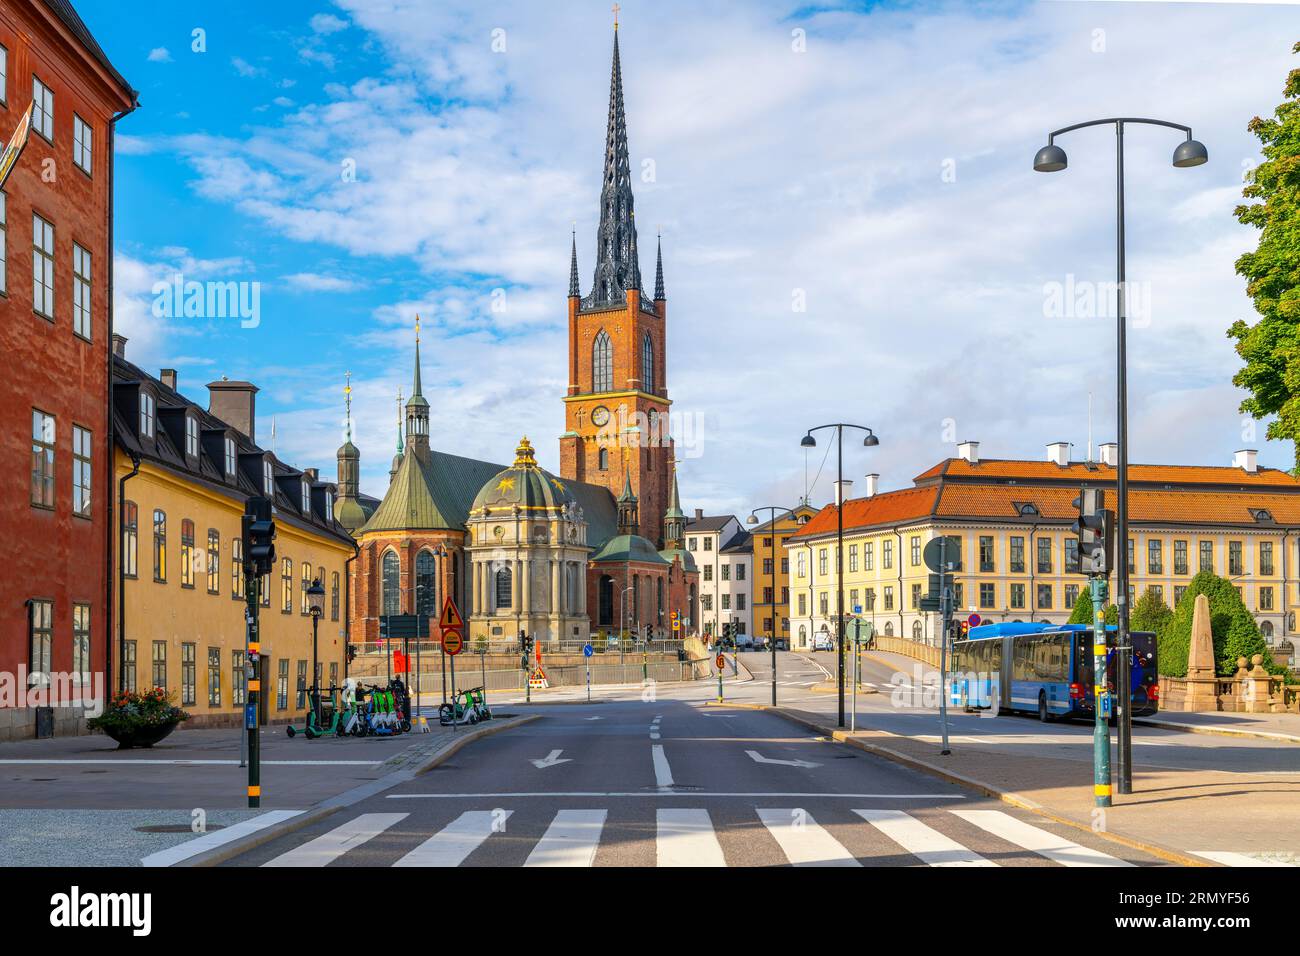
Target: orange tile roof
[(1145, 505), (1080, 472), (891, 507)]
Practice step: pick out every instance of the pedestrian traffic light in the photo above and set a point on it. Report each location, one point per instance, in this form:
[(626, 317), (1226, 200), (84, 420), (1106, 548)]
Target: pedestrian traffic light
[(259, 536), (1094, 528)]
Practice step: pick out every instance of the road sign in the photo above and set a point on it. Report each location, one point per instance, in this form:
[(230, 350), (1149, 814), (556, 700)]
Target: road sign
[(398, 626), (587, 650), (974, 620), (720, 661), (451, 616), (857, 609), (942, 551), (452, 642)]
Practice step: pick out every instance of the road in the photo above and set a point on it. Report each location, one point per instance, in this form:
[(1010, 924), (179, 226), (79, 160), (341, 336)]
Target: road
[(672, 782)]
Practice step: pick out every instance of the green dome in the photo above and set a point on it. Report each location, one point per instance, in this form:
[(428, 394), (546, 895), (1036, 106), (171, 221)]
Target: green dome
[(688, 559), (628, 547), (523, 485)]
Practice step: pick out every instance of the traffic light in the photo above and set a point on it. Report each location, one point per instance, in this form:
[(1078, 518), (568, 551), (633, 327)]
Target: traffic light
[(259, 536), (1094, 528), (523, 643)]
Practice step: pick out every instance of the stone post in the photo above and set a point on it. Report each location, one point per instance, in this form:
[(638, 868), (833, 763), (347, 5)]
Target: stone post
[(1255, 687), (1200, 681)]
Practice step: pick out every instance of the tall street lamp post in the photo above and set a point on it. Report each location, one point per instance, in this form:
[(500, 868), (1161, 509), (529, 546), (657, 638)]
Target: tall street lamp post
[(809, 442), (771, 635), (1050, 159), (316, 603)]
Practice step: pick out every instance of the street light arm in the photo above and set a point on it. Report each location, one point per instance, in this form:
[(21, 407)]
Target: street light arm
[(1115, 120)]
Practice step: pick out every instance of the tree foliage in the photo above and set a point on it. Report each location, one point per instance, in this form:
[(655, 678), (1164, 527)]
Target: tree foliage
[(1235, 632), (1150, 613), (1082, 613), (1271, 347)]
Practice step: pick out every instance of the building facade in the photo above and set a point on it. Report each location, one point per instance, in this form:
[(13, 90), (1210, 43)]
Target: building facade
[(723, 551), (184, 475), (771, 573), (55, 255), (1014, 520)]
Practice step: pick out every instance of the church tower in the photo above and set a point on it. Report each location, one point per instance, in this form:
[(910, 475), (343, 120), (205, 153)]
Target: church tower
[(616, 409)]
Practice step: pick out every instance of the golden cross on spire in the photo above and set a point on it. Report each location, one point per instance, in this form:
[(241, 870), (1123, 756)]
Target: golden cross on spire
[(417, 328), (347, 392), (616, 9)]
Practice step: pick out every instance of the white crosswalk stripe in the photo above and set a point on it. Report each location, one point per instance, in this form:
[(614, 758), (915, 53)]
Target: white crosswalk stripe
[(686, 838), (803, 841), (1055, 848), (570, 840), (332, 845), (1237, 859), (921, 840), (454, 842)]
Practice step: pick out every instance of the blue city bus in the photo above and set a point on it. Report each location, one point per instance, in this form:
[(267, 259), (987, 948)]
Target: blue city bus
[(1044, 669)]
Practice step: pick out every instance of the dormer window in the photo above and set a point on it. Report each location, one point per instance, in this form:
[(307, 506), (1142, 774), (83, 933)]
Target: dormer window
[(147, 410), (329, 505), (191, 436), (268, 479), (230, 458), (306, 497)]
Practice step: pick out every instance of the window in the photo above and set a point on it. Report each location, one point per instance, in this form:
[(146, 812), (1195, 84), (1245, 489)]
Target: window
[(214, 561), (146, 414), (130, 539), (391, 583), (803, 565), (268, 479), (740, 602), (329, 505), (987, 595), (1129, 553), (871, 599), (1266, 557), (503, 582), (1072, 555), (868, 556), (41, 628), (708, 569), (282, 684), (334, 596), (767, 566), (1180, 557), (81, 470), (602, 461), (191, 436), (1179, 591), (42, 267), (1159, 592), (1017, 596), (214, 677), (803, 604), (853, 558), (306, 497), (986, 553), (889, 598), (767, 595), (647, 364), (426, 596), (785, 565), (726, 572), (1044, 597), (159, 661), (230, 458), (823, 602), (822, 561), (160, 545), (81, 276), (128, 667), (4, 75), (83, 143), (304, 602), (4, 245), (42, 109), (1017, 555), (1155, 557), (916, 595), (1044, 555), (238, 679), (189, 674), (726, 602), (1235, 564), (302, 685), (286, 586), (1207, 556), (187, 553), (887, 554), (1071, 596), (916, 550), (42, 459), (602, 363), (81, 643), (1266, 598), (958, 594), (237, 568)]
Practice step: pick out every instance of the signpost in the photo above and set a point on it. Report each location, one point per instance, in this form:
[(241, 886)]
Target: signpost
[(721, 661), (450, 624), (943, 556), (587, 651)]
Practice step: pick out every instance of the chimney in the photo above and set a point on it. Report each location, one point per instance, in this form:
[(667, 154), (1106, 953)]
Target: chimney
[(311, 474), (1246, 460), (168, 376), (699, 514), (235, 404), (1109, 453), (872, 485), (842, 490), (970, 451), (1058, 452), (119, 345)]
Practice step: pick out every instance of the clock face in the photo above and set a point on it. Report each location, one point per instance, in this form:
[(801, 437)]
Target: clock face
[(600, 416)]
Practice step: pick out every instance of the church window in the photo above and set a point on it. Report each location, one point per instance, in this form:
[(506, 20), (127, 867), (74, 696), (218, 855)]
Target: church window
[(602, 363), (425, 595), (503, 596), (604, 459), (392, 584), (647, 364)]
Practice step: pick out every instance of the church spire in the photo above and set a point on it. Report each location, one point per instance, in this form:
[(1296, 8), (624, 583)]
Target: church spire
[(616, 267), (574, 290), (348, 457), (627, 507), (659, 268), (674, 518), (417, 408)]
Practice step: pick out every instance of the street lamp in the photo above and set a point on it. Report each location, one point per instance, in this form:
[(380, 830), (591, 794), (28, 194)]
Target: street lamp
[(316, 604), (771, 637), (1051, 158), (871, 441)]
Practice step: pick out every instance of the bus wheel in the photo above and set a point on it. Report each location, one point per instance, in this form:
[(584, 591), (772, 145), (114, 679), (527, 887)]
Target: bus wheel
[(1043, 714)]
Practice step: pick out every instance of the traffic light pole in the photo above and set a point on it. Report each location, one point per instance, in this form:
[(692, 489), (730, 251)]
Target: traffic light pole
[(252, 657), (1100, 730), (946, 598)]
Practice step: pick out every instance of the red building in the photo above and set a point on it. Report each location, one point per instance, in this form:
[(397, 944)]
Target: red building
[(55, 598)]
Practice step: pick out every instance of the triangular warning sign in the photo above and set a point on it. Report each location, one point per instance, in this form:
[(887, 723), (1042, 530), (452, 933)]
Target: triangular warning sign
[(450, 616)]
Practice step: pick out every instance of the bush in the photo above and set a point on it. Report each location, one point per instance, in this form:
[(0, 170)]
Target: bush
[(130, 712), (1235, 632), (1082, 613), (1150, 613)]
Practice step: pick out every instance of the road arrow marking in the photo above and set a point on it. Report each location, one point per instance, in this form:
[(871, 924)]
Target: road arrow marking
[(759, 758), (551, 760), (593, 718)]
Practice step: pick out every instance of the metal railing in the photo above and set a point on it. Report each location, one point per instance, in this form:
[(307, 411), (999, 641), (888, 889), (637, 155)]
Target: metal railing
[(567, 675)]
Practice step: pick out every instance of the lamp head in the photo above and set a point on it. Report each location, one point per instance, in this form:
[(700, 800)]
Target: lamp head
[(808, 441), (1050, 159), (871, 441), (316, 599), (1190, 153), (752, 519)]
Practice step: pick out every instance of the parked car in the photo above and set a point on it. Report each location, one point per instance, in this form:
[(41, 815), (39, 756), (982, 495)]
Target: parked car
[(782, 644), (823, 642), (744, 642)]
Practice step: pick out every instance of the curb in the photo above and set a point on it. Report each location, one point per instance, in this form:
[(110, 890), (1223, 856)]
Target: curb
[(331, 805), (1218, 731), (970, 783)]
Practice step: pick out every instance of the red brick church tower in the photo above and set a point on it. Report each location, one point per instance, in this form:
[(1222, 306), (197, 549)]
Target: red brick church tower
[(616, 409)]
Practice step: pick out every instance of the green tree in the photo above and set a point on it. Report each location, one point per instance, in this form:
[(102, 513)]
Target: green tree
[(1150, 613), (1271, 347), (1082, 613), (1235, 632)]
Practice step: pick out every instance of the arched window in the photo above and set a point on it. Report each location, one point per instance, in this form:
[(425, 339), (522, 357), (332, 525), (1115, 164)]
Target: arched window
[(917, 632), (334, 596), (304, 601), (214, 561), (392, 583), (603, 458), (647, 364), (160, 546), (659, 601), (503, 597), (889, 629), (187, 553), (605, 601), (602, 363), (425, 590), (286, 585)]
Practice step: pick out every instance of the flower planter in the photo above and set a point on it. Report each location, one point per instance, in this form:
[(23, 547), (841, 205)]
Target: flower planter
[(141, 736)]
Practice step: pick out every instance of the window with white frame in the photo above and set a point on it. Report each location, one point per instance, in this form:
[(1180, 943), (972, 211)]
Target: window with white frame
[(147, 408), (82, 456), (230, 458), (42, 109), (42, 267), (191, 436), (83, 139), (268, 479), (4, 75), (306, 497), (80, 291)]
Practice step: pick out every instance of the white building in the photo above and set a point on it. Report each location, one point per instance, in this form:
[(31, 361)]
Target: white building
[(724, 553)]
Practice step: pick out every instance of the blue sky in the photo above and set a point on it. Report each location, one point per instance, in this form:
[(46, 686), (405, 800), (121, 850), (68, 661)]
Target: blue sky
[(851, 227)]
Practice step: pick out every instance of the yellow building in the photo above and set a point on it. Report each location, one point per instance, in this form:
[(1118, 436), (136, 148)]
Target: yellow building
[(771, 584), (183, 477), (1014, 520)]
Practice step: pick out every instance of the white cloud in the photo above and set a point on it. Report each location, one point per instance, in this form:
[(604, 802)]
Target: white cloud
[(313, 282), (244, 68), (327, 23), (159, 54)]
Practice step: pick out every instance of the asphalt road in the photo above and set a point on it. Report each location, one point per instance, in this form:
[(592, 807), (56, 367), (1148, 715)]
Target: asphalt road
[(675, 782)]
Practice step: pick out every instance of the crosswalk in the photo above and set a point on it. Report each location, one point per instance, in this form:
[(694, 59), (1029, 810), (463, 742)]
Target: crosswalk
[(691, 837)]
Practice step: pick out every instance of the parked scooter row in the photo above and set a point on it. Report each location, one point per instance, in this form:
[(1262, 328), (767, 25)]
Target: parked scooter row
[(467, 707), (373, 711)]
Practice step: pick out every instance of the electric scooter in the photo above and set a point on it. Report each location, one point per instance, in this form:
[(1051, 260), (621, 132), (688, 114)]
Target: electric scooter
[(467, 706), (314, 728)]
